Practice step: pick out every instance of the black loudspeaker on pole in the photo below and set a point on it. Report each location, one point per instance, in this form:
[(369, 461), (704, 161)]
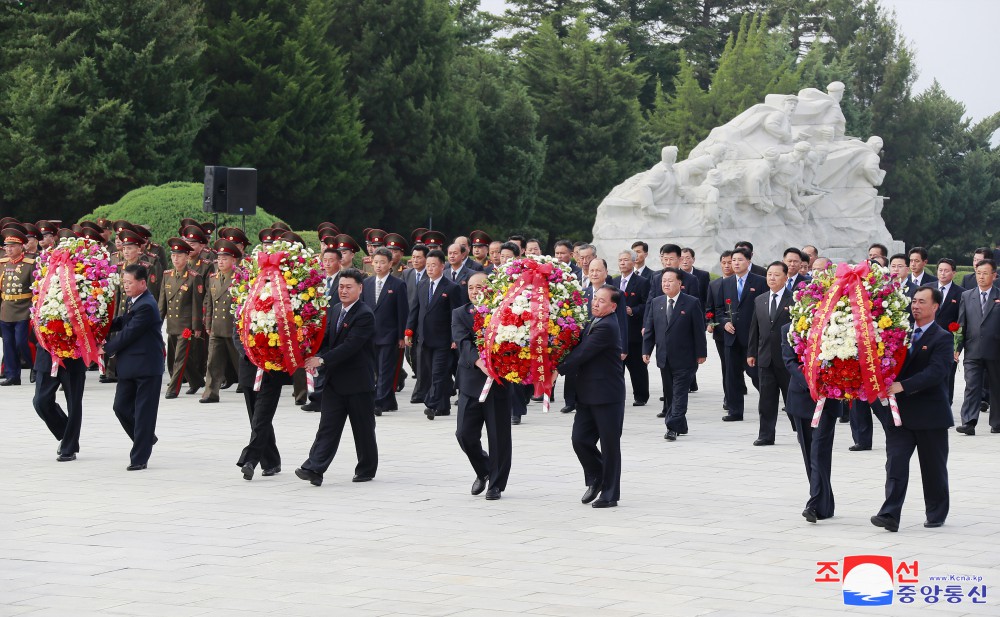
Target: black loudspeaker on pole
[(215, 188), (241, 188)]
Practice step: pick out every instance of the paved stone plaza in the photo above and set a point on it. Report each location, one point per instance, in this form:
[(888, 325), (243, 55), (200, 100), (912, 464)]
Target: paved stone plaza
[(708, 525)]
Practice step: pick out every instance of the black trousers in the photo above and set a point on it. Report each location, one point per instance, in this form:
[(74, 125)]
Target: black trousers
[(734, 386), (676, 385), (472, 416), (335, 410), (720, 346), (435, 370), (419, 385), (569, 391), (387, 359), (638, 371), (600, 423), (261, 406), (137, 401), (932, 452), (64, 425), (816, 445), (773, 380), (518, 396)]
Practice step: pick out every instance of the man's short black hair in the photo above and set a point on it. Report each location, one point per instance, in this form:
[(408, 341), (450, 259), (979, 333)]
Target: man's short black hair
[(419, 248), (353, 273), (645, 247), (688, 249), (989, 262), (919, 250), (439, 254), (935, 293), (899, 256), (792, 249), (510, 246), (676, 271), (138, 271), (725, 254), (742, 251), (668, 249), (616, 294), (881, 247), (780, 264), (384, 252), (332, 251), (564, 243), (949, 261), (744, 244)]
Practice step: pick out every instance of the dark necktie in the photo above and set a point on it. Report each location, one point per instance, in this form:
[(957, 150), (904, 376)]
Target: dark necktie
[(430, 296), (128, 304), (454, 275), (340, 320), (916, 337), (773, 312), (670, 310), (982, 303)]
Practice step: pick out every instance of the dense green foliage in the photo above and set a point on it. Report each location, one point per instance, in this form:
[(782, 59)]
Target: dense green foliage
[(405, 113)]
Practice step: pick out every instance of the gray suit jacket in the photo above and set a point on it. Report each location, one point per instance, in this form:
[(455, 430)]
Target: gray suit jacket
[(980, 331)]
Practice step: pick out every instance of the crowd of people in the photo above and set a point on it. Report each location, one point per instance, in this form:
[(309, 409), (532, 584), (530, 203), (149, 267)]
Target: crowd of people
[(392, 314)]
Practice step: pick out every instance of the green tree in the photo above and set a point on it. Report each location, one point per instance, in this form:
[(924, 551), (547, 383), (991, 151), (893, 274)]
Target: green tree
[(681, 120), (586, 97), (282, 107), (96, 97), (400, 54)]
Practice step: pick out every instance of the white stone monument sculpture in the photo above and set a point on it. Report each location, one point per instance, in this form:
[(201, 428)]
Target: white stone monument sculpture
[(780, 174)]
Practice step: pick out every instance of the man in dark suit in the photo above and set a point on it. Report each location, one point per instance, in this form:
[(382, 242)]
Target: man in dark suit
[(600, 379), (702, 276), (675, 325), (332, 266), (563, 251), (917, 257), (350, 385), (979, 317), (922, 395), (714, 307), (670, 257), (491, 469), (386, 296), (764, 349), (969, 280), (64, 425), (635, 290), (641, 253), (793, 258), (458, 271), (816, 444), (140, 352), (412, 276), (430, 320), (739, 294), (754, 268), (947, 314)]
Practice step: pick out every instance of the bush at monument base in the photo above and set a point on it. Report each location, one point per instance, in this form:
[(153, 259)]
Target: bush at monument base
[(162, 207)]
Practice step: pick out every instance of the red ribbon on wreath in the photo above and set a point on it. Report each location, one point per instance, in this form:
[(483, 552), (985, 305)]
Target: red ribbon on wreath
[(288, 333), (61, 264)]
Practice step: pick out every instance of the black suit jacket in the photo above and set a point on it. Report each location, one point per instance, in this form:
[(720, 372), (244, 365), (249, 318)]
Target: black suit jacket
[(980, 331), (758, 270), (923, 403), (470, 380), (462, 280), (689, 285), (948, 311), (704, 279), (925, 279), (620, 314), (139, 344), (799, 401), (716, 305), (432, 320), (797, 280), (969, 281), (391, 310), (597, 364), (635, 295), (681, 343), (765, 335), (742, 309), (349, 356), (646, 273)]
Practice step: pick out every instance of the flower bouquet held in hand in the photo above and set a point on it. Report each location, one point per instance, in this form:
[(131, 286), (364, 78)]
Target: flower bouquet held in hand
[(532, 314), (850, 329), (74, 300), (280, 308), (957, 335)]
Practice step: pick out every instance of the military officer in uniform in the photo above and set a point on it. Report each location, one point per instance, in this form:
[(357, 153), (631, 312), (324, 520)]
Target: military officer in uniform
[(181, 307), (374, 240), (201, 261), (397, 246), (48, 229), (32, 233), (348, 248), (220, 322), (480, 247), (16, 276)]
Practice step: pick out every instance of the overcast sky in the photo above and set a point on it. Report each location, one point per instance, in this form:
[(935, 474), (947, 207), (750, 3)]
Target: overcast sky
[(956, 41)]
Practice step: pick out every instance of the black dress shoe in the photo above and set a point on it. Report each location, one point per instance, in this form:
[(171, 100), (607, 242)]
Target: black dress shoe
[(10, 382), (984, 407), (103, 379), (671, 436), (886, 522), (810, 515), (239, 389), (995, 429), (967, 429), (301, 401), (567, 409), (662, 414), (362, 478), (732, 418), (63, 458), (591, 494), (493, 494), (225, 385), (429, 413), (31, 376), (170, 395), (401, 385), (211, 399), (859, 448), (693, 389), (515, 420), (310, 406), (536, 399), (446, 412), (247, 470), (270, 472), (311, 476), (661, 398), (933, 524), (480, 485), (378, 411), (192, 390), (638, 403), (604, 503), (763, 442), (416, 401), (136, 467)]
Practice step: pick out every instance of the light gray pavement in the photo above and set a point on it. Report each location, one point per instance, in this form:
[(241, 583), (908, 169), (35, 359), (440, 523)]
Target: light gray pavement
[(709, 525)]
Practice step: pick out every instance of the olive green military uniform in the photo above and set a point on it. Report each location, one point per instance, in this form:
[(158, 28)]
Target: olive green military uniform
[(220, 323), (204, 265), (15, 307), (181, 298)]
